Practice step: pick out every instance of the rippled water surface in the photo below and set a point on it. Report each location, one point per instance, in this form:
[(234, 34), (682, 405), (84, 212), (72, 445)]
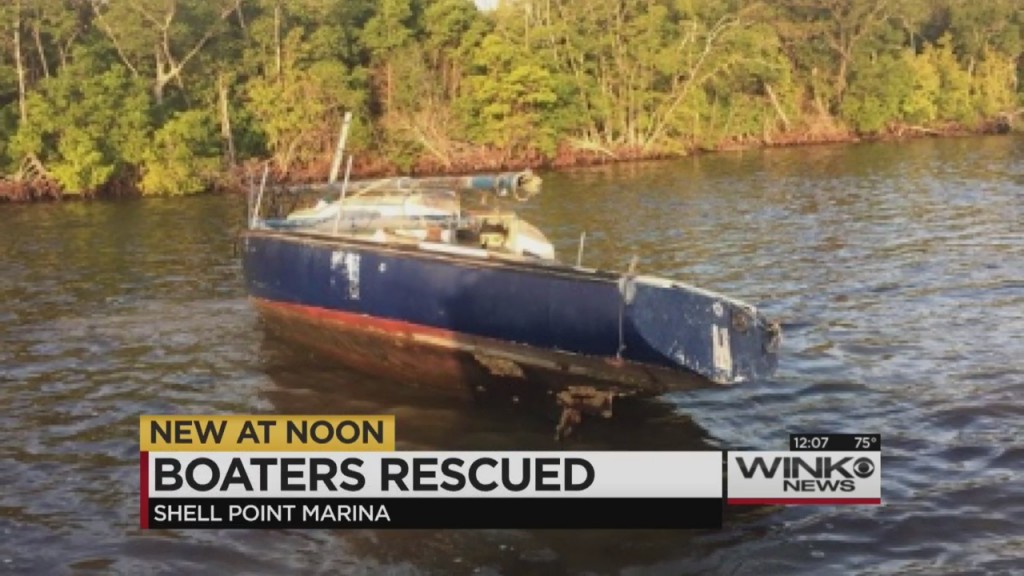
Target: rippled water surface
[(896, 269)]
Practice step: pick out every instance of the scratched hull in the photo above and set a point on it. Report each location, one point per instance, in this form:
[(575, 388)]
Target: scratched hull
[(463, 321)]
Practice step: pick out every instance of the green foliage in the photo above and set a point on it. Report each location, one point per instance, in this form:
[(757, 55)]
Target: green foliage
[(509, 97), (185, 156), (447, 22), (994, 84), (87, 125), (157, 39), (389, 27), (8, 126), (8, 83), (417, 111), (879, 93), (294, 111), (979, 27), (131, 92), (920, 106), (954, 98)]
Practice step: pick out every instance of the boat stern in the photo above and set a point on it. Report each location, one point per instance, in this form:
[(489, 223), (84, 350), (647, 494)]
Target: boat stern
[(744, 345), (720, 338)]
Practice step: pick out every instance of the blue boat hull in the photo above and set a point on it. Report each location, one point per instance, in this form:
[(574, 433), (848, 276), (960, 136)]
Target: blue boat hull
[(463, 318)]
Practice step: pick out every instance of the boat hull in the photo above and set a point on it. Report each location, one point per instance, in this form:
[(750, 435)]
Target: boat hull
[(463, 319)]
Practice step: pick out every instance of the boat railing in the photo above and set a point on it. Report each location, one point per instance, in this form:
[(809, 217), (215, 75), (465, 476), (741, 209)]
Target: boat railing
[(272, 204), (521, 185)]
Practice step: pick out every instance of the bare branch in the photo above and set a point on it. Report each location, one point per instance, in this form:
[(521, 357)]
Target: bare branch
[(660, 120), (105, 27), (147, 16), (206, 37)]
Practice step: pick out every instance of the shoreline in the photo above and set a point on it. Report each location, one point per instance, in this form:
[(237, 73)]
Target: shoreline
[(235, 181)]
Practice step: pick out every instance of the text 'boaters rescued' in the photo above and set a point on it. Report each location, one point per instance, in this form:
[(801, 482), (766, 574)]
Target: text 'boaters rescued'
[(343, 472)]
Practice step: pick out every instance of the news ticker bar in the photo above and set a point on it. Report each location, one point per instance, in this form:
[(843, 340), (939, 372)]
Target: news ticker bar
[(602, 490), (835, 442), (434, 513), (272, 471)]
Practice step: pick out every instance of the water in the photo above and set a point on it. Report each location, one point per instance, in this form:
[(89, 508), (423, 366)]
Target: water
[(896, 269)]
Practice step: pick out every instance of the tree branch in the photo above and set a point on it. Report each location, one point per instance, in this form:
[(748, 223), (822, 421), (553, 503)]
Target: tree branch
[(110, 34), (658, 126)]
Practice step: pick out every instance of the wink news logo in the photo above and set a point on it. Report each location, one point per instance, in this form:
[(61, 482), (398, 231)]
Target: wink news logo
[(788, 477)]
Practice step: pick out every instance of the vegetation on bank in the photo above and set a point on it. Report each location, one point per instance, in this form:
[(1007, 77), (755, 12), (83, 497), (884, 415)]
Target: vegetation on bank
[(177, 96)]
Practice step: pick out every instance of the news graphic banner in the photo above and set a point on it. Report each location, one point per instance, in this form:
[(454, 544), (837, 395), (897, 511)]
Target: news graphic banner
[(344, 472), (818, 469)]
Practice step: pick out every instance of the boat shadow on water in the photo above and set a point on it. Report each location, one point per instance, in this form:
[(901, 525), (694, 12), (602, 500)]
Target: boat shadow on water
[(498, 419)]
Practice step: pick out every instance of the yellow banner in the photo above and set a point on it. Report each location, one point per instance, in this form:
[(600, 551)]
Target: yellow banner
[(242, 433)]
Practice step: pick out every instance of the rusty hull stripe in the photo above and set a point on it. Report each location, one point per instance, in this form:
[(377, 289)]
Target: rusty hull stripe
[(365, 322), (613, 372)]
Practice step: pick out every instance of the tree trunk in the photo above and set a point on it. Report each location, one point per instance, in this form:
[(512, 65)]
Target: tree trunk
[(844, 64), (387, 86), (161, 79), (158, 91), (776, 105), (39, 48), (225, 122), (19, 65), (277, 40), (241, 17)]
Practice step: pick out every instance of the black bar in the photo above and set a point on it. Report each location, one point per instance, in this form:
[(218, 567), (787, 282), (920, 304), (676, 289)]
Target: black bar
[(442, 513), (835, 442)]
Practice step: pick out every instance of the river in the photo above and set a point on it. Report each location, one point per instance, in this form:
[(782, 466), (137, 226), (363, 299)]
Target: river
[(896, 269)]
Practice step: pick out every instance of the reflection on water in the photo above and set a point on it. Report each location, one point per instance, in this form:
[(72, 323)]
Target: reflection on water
[(896, 270)]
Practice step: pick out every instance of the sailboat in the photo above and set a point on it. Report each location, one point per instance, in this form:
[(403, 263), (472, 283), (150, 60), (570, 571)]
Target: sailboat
[(398, 278)]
